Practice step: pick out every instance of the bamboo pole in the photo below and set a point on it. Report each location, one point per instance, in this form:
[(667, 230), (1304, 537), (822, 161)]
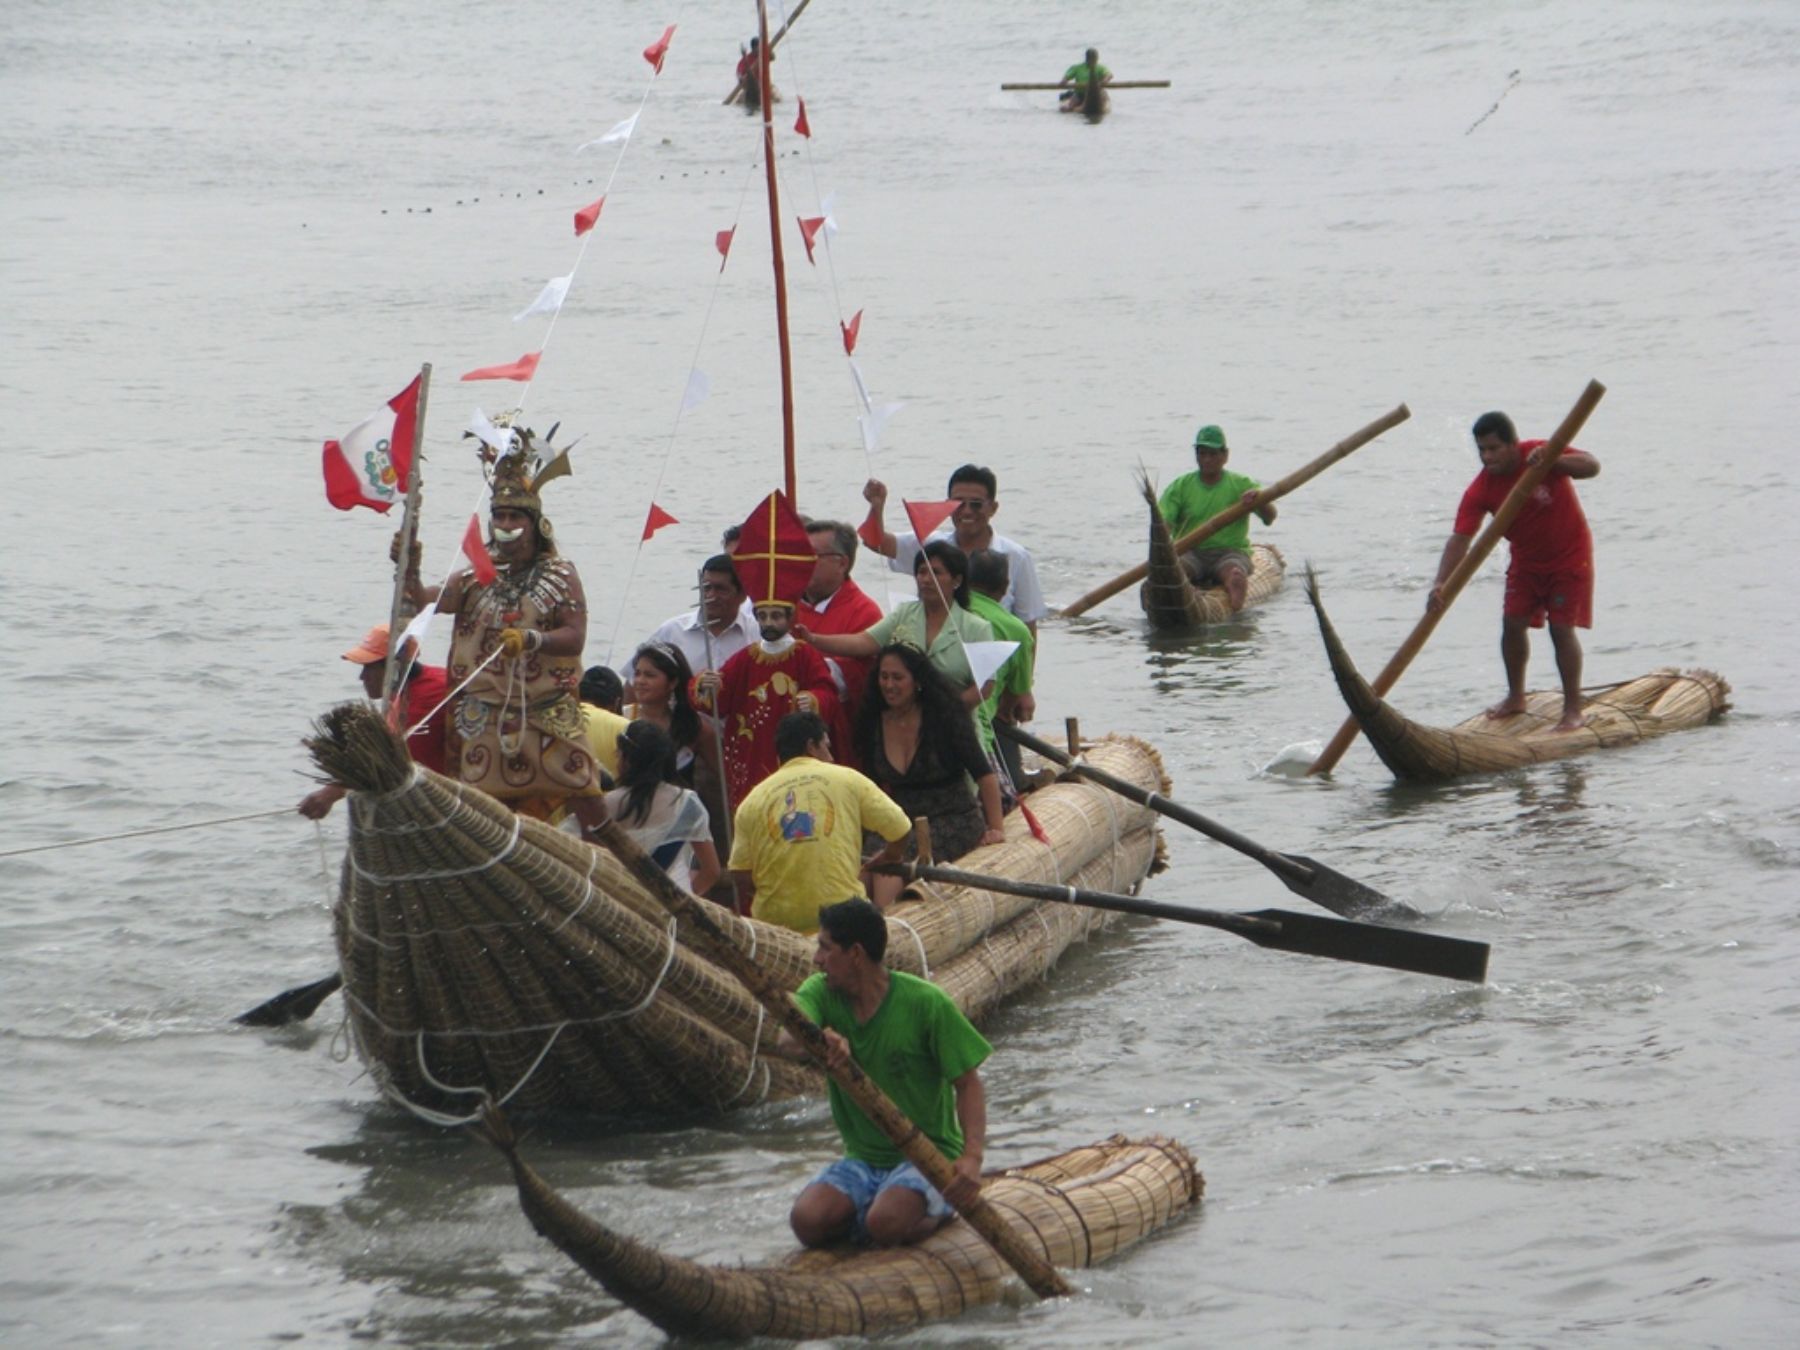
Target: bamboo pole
[(402, 609), (906, 1136), (1471, 563), (1237, 512), (1110, 84), (781, 314), (737, 91)]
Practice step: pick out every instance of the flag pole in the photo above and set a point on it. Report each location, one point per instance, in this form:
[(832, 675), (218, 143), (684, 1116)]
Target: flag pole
[(781, 315), (401, 610)]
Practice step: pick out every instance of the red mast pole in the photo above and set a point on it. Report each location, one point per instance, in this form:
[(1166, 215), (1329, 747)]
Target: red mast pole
[(781, 317)]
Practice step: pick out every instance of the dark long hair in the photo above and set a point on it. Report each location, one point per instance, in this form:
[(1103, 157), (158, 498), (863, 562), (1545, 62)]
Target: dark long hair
[(646, 762), (946, 731), (684, 722), (955, 561)]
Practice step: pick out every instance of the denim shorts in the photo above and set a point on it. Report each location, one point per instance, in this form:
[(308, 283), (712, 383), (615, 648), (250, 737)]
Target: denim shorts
[(862, 1183)]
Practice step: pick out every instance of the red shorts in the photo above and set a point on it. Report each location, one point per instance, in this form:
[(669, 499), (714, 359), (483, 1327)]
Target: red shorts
[(1564, 597)]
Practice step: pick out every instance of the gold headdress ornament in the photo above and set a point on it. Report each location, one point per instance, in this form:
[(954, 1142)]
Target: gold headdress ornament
[(516, 477)]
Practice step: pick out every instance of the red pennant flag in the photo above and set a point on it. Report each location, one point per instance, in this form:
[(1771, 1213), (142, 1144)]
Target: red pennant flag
[(809, 230), (850, 331), (869, 533), (927, 516), (657, 50), (474, 548), (588, 217), (522, 369), (722, 242), (774, 557), (802, 127), (368, 467), (1031, 823), (657, 517)]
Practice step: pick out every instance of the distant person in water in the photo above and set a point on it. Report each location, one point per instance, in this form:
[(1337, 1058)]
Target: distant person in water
[(1077, 78), (1551, 575)]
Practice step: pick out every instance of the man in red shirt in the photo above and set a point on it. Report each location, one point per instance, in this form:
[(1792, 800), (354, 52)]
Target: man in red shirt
[(422, 693), (833, 603), (1551, 575)]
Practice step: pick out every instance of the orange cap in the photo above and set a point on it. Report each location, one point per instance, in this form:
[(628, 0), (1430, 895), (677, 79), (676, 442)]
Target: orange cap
[(373, 647)]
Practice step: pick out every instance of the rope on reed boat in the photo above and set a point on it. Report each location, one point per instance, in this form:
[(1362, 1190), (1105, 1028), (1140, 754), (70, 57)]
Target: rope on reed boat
[(919, 942)]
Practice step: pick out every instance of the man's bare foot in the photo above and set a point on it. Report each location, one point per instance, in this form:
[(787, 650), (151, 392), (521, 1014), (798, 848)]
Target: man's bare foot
[(1510, 706), (1572, 721)]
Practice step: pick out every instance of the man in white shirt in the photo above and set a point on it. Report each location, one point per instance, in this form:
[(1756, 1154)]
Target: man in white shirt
[(970, 527), (730, 622)]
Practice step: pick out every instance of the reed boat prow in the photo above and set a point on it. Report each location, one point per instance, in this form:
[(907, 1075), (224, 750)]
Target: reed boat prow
[(1077, 1208), (1170, 599), (1665, 700)]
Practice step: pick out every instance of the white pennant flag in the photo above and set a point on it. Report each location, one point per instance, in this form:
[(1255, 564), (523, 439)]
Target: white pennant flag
[(420, 625), (876, 423), (986, 658), (862, 390), (698, 387), (501, 438), (622, 132), (549, 300)]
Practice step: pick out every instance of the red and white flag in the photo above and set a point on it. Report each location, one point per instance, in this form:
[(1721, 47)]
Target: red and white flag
[(588, 217), (522, 369), (659, 49), (474, 548), (368, 466), (657, 519), (851, 329)]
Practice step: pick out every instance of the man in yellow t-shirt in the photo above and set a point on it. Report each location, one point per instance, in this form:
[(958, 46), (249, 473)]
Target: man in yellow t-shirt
[(798, 838)]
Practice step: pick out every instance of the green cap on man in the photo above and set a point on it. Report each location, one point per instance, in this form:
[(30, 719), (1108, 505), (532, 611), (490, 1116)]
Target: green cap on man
[(1209, 437)]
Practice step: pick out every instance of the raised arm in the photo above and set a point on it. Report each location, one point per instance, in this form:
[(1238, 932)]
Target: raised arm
[(875, 493)]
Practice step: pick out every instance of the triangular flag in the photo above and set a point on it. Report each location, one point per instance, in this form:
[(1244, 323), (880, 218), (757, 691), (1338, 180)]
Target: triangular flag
[(415, 631), (802, 127), (927, 516), (809, 228), (368, 466), (698, 387), (657, 517), (549, 300), (850, 331), (522, 369), (501, 438), (722, 242), (621, 132), (657, 50), (986, 658), (774, 558), (869, 532), (588, 217), (474, 548), (1031, 823), (875, 422)]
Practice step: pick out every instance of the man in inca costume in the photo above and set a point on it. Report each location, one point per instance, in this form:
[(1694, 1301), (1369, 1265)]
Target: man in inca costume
[(517, 731)]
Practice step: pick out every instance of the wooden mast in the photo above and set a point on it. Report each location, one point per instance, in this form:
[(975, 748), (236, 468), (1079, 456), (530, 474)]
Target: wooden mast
[(781, 316)]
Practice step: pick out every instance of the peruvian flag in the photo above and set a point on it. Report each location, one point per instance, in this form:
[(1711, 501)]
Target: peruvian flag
[(656, 520), (474, 548), (368, 467)]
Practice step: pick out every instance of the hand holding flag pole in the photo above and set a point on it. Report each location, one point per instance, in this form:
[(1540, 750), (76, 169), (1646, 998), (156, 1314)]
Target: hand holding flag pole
[(402, 607)]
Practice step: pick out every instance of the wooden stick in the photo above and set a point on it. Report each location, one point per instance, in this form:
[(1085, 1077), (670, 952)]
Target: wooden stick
[(1231, 514), (906, 1136), (400, 612), (1110, 84), (738, 91), (1471, 563)]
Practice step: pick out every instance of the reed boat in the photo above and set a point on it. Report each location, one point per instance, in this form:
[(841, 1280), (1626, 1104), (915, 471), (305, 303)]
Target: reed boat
[(1170, 599), (485, 953), (1618, 714), (1076, 1209)]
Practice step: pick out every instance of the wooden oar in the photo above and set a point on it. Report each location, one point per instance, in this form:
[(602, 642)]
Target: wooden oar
[(781, 32), (906, 1136), (1472, 560), (292, 1005), (1110, 84), (1235, 513), (1303, 876), (1282, 930)]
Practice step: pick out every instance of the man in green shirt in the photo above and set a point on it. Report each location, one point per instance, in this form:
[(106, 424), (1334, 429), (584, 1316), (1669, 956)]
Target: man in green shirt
[(1080, 76), (1223, 559), (1012, 699), (913, 1042)]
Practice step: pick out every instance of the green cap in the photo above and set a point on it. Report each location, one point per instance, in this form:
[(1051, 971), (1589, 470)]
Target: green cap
[(1209, 437)]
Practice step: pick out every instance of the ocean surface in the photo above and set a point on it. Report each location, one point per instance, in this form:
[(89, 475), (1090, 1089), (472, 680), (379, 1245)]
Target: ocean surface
[(231, 231)]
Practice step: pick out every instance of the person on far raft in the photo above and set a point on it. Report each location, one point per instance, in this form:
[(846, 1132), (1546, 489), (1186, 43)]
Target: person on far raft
[(1223, 557), (1551, 575), (421, 693), (1079, 76), (913, 1042)]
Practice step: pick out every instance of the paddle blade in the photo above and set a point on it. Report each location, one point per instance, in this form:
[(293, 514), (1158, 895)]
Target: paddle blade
[(1372, 945), (1342, 895), (291, 1005)]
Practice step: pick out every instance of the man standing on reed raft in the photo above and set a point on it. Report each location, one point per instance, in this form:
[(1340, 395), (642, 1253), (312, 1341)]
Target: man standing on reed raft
[(798, 836), (518, 733), (1551, 574), (1223, 558), (913, 1042)]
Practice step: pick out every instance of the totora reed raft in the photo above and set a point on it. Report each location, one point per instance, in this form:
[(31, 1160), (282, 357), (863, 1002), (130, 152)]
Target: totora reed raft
[(486, 953), (1172, 602)]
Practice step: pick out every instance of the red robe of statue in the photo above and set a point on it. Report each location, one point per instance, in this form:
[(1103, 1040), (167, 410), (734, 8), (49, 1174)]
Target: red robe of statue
[(756, 691)]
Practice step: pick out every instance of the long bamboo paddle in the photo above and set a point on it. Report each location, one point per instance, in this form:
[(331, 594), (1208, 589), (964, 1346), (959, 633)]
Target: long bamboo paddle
[(1110, 84), (906, 1136), (1282, 930), (737, 91), (1237, 512), (1305, 877), (1471, 563)]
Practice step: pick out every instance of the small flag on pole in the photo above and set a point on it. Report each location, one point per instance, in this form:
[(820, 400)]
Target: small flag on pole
[(522, 369), (698, 387), (927, 516), (809, 229), (657, 517), (620, 132), (868, 533), (474, 548), (369, 465), (657, 50), (722, 242), (1031, 823), (549, 300), (588, 217), (850, 329), (802, 127)]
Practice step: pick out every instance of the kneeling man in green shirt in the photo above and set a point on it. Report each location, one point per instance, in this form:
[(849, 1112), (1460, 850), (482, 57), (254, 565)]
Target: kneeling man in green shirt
[(913, 1042), (1222, 558)]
